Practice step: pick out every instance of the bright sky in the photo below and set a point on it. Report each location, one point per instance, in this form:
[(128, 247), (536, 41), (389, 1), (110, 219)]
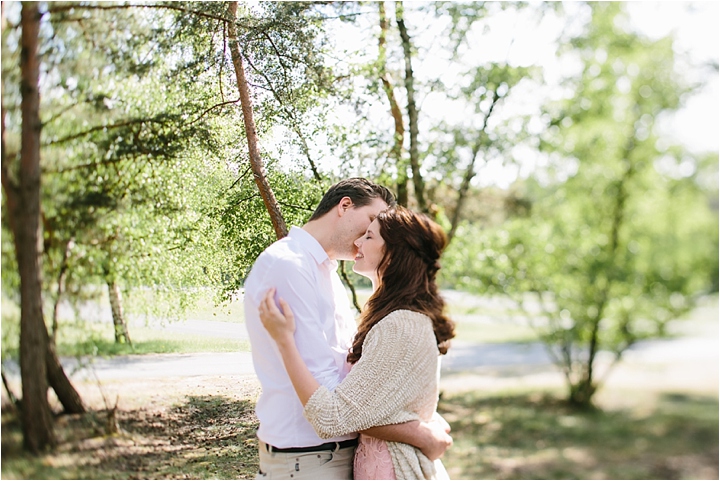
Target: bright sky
[(697, 26), (523, 40)]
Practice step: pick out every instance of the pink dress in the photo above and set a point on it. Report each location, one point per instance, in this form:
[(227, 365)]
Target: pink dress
[(372, 459)]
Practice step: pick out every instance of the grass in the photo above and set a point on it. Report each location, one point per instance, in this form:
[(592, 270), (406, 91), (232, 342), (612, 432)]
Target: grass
[(520, 434), (535, 435), (476, 332), (148, 341), (81, 337), (505, 435), (205, 437), (205, 308)]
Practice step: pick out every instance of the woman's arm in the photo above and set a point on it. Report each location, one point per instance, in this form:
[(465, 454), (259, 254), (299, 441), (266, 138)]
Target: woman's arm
[(281, 326), (394, 377), (431, 438)]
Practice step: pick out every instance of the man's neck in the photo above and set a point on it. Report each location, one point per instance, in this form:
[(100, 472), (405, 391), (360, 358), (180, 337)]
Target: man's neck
[(318, 230)]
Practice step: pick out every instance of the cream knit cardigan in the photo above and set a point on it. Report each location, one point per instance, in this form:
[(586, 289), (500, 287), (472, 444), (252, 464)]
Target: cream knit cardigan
[(395, 380)]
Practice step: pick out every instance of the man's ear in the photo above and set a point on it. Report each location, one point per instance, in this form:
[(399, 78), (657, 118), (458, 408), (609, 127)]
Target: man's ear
[(344, 204)]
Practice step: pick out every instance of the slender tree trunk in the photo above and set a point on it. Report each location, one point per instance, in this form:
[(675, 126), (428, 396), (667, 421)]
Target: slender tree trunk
[(36, 415), (11, 395), (462, 193), (470, 171), (58, 380), (418, 183), (256, 162), (582, 393), (121, 330), (399, 135), (350, 285), (60, 289), (306, 150)]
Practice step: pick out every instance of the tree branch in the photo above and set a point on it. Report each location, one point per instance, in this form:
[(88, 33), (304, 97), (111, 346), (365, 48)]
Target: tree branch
[(9, 186), (68, 7), (100, 127), (213, 107), (292, 120)]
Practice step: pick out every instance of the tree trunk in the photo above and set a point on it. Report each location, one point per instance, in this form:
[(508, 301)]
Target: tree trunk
[(121, 330), (418, 183), (462, 194), (470, 171), (58, 380), (14, 401), (60, 289), (399, 135), (581, 393), (350, 285), (36, 415), (255, 161)]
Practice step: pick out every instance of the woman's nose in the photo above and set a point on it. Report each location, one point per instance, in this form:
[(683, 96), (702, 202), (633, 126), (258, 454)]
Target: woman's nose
[(358, 242)]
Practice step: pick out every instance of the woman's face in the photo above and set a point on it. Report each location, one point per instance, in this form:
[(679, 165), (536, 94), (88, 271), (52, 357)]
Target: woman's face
[(370, 251)]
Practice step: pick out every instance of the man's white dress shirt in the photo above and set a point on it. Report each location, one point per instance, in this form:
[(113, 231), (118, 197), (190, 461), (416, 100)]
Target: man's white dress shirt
[(299, 268)]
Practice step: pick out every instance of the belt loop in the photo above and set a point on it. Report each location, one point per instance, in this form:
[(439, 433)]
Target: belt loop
[(337, 447)]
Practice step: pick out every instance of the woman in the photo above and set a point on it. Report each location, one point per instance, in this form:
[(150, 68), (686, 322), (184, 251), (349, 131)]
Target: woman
[(395, 353)]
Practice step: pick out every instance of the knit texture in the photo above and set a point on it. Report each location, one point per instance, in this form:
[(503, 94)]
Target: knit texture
[(395, 381)]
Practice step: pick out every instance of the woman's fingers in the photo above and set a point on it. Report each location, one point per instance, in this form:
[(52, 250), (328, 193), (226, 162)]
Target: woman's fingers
[(268, 300), (287, 312), (268, 309), (285, 308)]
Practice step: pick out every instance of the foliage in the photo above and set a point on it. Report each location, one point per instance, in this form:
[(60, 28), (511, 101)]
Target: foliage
[(246, 228), (146, 179), (142, 142), (617, 243)]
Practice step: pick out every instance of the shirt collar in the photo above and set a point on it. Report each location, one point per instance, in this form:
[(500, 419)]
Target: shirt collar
[(311, 245)]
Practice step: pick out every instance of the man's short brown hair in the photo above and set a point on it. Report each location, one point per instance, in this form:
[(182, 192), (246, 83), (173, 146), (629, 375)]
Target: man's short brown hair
[(361, 191)]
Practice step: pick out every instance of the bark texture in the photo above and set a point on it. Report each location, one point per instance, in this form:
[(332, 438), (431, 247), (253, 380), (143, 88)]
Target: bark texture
[(256, 162)]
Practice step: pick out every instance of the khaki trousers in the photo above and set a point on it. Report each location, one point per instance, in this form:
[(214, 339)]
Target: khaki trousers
[(336, 464)]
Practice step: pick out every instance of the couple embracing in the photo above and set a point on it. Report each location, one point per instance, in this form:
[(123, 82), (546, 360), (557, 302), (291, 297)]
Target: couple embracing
[(342, 400)]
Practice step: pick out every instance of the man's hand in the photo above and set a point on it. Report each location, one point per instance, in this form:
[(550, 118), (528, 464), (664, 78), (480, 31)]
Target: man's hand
[(436, 439), (431, 438)]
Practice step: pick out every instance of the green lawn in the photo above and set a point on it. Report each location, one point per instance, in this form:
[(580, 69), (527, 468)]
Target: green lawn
[(534, 435), (505, 435), (86, 337)]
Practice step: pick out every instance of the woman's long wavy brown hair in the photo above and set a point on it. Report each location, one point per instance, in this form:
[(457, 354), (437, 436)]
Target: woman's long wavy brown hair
[(406, 273)]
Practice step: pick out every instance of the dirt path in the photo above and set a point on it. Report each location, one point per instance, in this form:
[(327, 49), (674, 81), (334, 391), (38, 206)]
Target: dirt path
[(170, 406), (688, 363)]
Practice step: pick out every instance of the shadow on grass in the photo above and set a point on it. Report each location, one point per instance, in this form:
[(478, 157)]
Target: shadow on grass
[(538, 436), (207, 437), (528, 436)]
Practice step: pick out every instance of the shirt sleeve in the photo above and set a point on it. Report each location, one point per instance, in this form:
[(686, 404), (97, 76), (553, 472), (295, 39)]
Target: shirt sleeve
[(398, 364), (296, 284)]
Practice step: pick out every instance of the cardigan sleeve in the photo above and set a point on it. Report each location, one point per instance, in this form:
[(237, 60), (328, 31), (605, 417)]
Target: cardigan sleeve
[(398, 365)]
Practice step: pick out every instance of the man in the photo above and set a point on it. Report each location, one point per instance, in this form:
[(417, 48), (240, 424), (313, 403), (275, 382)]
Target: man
[(302, 267)]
